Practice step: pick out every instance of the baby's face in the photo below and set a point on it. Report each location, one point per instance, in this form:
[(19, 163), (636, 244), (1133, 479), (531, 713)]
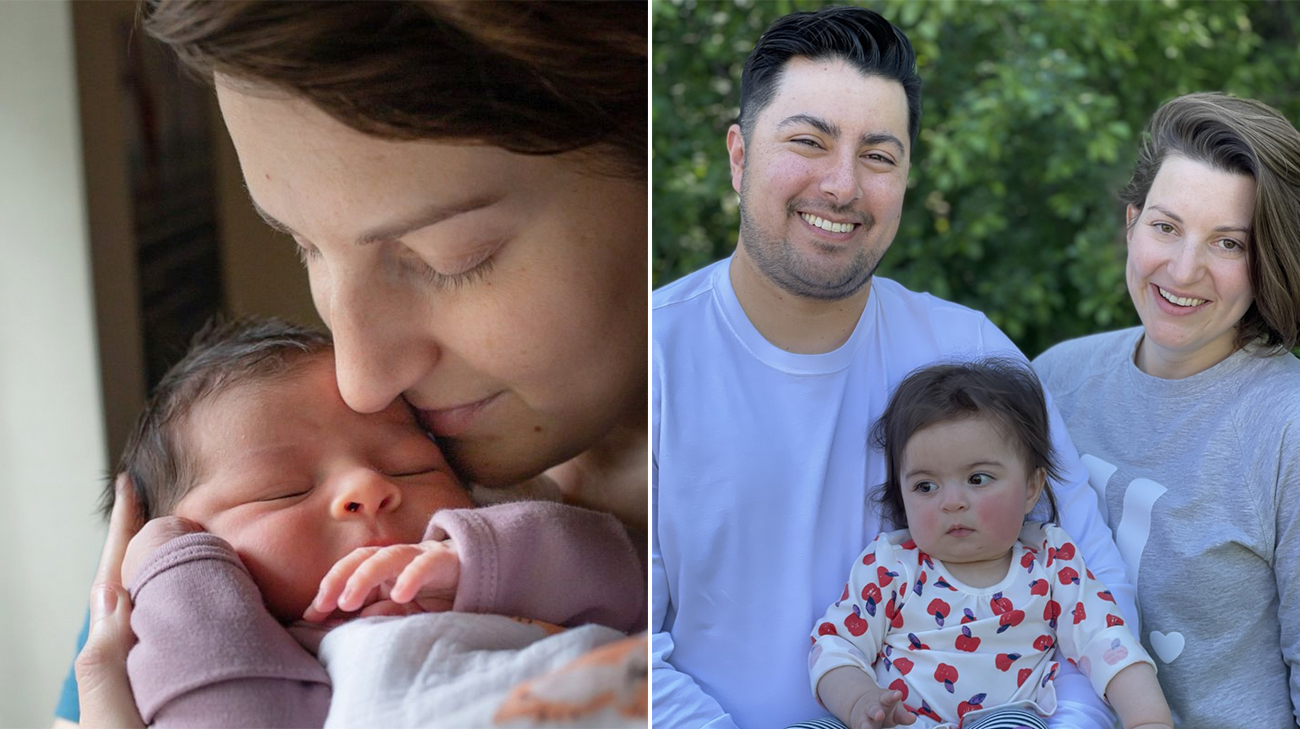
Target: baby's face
[(966, 491), (295, 480)]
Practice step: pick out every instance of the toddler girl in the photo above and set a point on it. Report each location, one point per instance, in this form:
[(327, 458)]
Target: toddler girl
[(953, 621)]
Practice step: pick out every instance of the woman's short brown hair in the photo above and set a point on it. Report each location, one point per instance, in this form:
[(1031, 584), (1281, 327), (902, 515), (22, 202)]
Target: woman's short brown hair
[(530, 77), (1245, 137)]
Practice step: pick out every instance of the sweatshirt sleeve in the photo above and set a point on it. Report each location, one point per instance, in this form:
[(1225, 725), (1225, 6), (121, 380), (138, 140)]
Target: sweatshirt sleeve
[(561, 564), (208, 652)]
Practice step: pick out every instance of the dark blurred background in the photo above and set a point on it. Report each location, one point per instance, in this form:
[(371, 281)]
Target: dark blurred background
[(1031, 117)]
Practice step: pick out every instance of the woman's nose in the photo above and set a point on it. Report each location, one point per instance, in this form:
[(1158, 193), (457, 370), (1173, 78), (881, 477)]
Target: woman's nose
[(364, 493), (1185, 265), (382, 348)]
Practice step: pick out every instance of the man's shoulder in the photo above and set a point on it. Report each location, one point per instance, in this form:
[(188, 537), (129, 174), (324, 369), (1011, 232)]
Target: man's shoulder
[(691, 287), (952, 330)]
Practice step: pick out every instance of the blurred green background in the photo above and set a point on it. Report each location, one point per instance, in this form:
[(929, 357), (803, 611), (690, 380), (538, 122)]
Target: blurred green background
[(1031, 116)]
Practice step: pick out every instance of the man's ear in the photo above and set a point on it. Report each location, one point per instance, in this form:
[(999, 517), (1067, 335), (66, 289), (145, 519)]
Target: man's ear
[(1037, 482), (736, 153)]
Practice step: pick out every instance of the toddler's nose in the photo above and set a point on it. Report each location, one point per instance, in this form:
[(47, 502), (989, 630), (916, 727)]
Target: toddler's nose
[(365, 492)]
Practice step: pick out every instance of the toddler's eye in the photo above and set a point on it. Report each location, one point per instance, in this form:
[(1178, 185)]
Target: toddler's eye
[(925, 487), (979, 479)]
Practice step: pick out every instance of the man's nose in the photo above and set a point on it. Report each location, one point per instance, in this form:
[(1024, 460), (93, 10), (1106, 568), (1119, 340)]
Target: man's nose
[(364, 493), (840, 181)]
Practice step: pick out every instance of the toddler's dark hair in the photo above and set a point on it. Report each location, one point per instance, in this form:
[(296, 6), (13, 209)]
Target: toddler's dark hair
[(223, 354), (1002, 390)]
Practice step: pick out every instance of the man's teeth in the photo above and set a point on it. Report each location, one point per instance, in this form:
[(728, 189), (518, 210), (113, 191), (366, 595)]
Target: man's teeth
[(1178, 299), (828, 225)]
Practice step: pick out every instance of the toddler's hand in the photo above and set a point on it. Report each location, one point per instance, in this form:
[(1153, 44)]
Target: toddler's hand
[(153, 535), (429, 571), (880, 709)]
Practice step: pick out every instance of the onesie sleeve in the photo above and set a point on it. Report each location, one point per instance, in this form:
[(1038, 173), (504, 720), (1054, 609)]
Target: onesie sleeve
[(1090, 630), (208, 652), (553, 562), (853, 629)]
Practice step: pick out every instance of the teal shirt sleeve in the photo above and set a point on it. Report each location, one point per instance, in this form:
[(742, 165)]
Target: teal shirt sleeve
[(69, 706)]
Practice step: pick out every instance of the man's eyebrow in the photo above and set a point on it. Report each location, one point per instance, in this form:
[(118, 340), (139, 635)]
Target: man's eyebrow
[(430, 215), (878, 138), (1245, 230), (821, 125)]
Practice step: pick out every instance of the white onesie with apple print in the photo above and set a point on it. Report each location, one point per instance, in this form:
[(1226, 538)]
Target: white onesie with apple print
[(954, 650)]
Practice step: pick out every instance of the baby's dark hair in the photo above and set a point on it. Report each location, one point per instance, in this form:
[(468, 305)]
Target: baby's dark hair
[(1002, 390), (223, 354)]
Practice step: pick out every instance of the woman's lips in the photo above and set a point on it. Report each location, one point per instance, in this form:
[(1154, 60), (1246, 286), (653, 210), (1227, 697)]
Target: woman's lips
[(453, 421)]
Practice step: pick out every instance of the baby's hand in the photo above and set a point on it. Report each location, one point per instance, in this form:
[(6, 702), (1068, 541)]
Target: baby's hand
[(429, 571), (878, 709), (153, 535)]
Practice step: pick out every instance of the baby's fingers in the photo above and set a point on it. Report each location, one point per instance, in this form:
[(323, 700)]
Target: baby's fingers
[(384, 566), (435, 570)]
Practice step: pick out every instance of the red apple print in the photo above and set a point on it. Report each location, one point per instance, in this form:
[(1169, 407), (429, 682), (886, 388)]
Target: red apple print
[(1079, 614), (871, 592), (1038, 587), (1043, 642), (903, 666), (927, 712), (939, 609), (941, 582), (975, 702), (1004, 661), (1010, 620), (920, 583), (947, 675), (915, 643), (845, 594), (1105, 595), (967, 616), (1052, 612), (1068, 575), (893, 613), (909, 544), (826, 629), (856, 625), (1066, 552), (1112, 620), (965, 642), (869, 558), (1051, 673), (1000, 604), (1051, 555), (923, 558), (1026, 560), (1023, 676), (900, 686), (1089, 573), (884, 576)]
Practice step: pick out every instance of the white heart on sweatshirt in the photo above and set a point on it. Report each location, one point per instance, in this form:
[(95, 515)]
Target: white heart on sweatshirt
[(1168, 647)]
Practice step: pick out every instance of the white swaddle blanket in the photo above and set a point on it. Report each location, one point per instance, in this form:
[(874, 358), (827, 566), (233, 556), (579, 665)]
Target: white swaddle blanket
[(466, 670)]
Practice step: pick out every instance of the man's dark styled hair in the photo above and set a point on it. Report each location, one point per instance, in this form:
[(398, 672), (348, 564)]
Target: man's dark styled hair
[(1002, 391), (859, 36), (158, 455)]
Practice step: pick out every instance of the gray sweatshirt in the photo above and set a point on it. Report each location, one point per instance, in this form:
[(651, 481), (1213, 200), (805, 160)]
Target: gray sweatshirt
[(1199, 480)]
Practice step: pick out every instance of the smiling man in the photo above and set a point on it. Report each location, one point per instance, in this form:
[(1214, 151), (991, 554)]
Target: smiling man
[(770, 367)]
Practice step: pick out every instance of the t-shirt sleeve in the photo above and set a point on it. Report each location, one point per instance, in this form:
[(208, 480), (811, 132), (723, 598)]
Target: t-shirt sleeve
[(1286, 555), (1090, 630), (852, 631)]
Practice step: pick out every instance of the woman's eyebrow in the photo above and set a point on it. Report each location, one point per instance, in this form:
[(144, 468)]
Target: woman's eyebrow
[(430, 215)]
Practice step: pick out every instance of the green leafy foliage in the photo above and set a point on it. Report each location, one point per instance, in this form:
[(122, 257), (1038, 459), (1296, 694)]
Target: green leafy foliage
[(1032, 112)]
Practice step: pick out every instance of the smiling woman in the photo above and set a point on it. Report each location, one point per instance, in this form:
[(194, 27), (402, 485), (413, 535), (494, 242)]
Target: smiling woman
[(1189, 423), (465, 183)]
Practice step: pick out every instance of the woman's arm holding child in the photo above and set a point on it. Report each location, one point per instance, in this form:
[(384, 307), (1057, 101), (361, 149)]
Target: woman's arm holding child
[(1134, 694)]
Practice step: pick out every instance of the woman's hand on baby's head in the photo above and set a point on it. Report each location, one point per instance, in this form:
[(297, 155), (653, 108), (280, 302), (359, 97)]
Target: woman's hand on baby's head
[(423, 577), (154, 534)]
